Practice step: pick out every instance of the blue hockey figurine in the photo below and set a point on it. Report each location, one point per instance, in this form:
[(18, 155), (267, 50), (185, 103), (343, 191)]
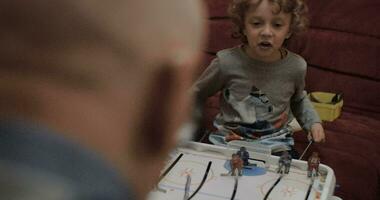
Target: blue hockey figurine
[(244, 155)]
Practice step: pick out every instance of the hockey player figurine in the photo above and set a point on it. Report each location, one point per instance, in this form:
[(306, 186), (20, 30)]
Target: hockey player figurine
[(236, 164), (313, 165), (244, 155), (285, 161)]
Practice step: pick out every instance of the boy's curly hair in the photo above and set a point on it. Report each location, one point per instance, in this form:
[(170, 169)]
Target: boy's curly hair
[(297, 8)]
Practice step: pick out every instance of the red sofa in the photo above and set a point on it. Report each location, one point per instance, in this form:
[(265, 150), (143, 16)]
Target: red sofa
[(342, 48)]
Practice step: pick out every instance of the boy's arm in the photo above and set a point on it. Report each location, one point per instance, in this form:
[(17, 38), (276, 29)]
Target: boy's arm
[(308, 118), (209, 82), (304, 111)]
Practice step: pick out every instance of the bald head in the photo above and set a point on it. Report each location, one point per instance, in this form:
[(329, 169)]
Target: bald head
[(71, 38), (91, 67)]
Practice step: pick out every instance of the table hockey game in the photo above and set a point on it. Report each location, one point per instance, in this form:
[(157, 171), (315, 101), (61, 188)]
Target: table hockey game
[(202, 172)]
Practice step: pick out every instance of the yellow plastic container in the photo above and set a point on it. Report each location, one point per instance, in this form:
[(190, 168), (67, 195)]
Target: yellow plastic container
[(326, 110)]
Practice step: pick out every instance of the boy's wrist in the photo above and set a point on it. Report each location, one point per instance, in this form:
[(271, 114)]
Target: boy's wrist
[(317, 132), (307, 127)]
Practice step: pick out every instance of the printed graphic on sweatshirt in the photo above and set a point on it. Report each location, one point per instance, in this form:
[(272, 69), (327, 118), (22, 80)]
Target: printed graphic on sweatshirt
[(253, 110)]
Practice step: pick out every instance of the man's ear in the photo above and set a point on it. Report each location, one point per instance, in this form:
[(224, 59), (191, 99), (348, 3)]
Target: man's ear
[(153, 134)]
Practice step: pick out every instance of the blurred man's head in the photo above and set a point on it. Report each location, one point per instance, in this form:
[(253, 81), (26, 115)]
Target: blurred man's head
[(112, 75)]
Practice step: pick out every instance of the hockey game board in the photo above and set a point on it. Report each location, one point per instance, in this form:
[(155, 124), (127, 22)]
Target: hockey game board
[(202, 171)]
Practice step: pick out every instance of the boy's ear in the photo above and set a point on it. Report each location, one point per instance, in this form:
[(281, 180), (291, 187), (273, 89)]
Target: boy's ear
[(244, 32)]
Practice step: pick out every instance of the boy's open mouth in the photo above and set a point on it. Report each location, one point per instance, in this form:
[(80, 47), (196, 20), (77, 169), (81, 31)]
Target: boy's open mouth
[(265, 45)]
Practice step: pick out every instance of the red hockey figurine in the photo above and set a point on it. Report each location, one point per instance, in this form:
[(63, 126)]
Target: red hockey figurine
[(236, 164), (313, 165)]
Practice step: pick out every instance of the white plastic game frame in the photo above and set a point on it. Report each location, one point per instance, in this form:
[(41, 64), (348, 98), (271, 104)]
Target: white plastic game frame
[(329, 183)]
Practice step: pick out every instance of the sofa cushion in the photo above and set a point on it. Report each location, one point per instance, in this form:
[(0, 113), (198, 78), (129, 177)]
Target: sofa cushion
[(357, 125), (342, 52), (355, 177), (359, 93), (217, 8), (342, 16), (353, 16)]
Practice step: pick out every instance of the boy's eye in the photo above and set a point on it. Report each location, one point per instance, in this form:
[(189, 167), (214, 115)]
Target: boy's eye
[(277, 25), (256, 23)]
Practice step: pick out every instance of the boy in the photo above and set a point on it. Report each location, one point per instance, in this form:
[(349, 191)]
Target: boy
[(262, 83)]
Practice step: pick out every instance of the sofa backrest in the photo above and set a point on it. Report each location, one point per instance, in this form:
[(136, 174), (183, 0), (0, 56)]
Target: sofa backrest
[(342, 48)]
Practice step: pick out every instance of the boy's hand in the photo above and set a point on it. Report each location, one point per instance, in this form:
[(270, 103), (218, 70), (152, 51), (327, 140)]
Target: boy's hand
[(317, 133)]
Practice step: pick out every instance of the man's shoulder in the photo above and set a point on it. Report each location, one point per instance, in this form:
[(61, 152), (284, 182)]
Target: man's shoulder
[(33, 183), (43, 174), (18, 180)]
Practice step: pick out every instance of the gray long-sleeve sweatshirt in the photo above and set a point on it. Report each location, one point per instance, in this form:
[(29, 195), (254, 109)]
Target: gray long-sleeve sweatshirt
[(265, 95)]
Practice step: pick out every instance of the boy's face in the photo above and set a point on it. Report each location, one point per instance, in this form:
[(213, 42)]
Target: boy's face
[(266, 31)]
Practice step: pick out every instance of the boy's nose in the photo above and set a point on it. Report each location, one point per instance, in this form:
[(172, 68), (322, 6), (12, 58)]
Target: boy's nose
[(267, 31)]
